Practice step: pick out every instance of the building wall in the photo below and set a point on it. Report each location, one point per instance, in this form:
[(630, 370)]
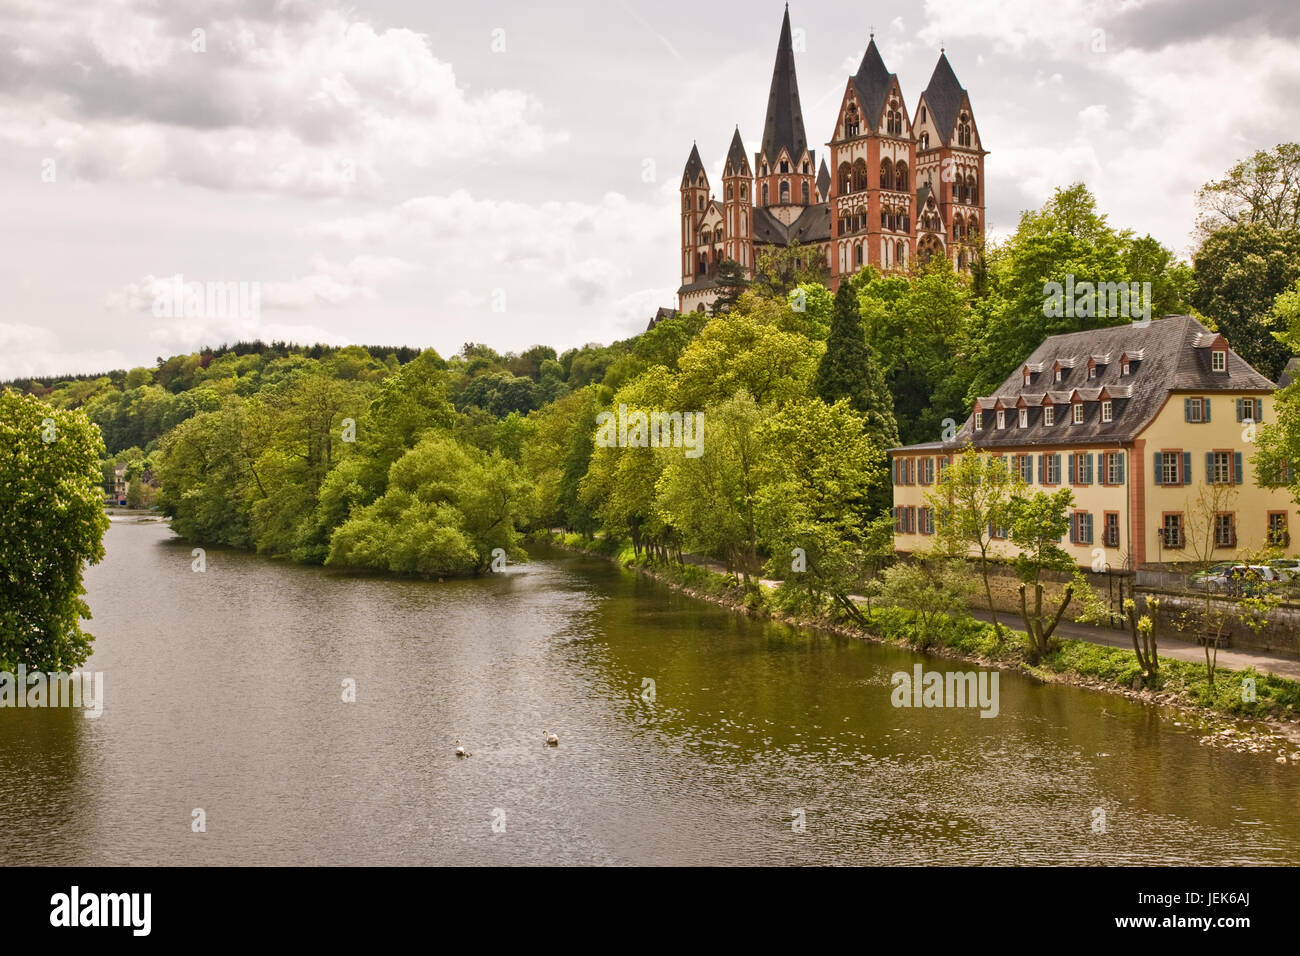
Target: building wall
[(1169, 431), (1139, 503)]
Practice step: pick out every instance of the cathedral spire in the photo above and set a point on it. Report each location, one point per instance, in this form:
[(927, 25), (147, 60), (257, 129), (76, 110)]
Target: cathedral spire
[(737, 164), (784, 125)]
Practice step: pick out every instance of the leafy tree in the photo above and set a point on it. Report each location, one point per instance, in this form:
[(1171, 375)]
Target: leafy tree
[(850, 369), (972, 499), (52, 524), (929, 589), (781, 268), (1240, 271), (731, 282), (1036, 524), (738, 351), (1264, 190), (1279, 439)]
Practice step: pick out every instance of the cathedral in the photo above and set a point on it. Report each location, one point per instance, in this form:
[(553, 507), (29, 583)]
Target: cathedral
[(902, 187)]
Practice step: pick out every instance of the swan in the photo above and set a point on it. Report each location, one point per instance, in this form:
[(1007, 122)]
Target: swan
[(552, 740), (461, 751)]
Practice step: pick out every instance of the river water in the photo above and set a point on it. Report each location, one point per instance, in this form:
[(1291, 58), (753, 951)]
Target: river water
[(224, 693)]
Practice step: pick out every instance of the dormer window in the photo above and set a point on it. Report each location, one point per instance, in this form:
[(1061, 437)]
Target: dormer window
[(1092, 372), (1028, 378), (785, 166), (978, 420), (1107, 411), (1219, 360), (1059, 375), (1078, 413), (1049, 414), (1123, 367), (1002, 419), (1024, 418)]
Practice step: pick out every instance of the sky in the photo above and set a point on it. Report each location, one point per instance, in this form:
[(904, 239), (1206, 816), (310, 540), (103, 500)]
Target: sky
[(427, 173)]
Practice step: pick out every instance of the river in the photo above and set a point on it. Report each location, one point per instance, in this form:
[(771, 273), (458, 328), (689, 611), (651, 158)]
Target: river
[(764, 744)]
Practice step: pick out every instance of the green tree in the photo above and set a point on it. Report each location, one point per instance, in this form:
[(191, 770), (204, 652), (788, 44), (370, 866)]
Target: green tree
[(1036, 524), (1264, 190), (850, 369), (1240, 272), (52, 524), (971, 501), (731, 283)]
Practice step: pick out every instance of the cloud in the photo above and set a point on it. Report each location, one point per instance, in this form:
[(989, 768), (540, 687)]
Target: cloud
[(286, 98)]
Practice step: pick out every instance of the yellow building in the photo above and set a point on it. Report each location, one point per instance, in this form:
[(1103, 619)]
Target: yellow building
[(1135, 420)]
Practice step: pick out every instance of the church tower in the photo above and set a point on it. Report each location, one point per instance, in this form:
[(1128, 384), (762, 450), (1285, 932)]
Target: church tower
[(737, 181), (950, 170), (695, 198), (784, 166), (872, 162)]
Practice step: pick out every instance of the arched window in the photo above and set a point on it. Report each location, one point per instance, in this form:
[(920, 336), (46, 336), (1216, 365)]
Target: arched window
[(922, 114), (972, 189), (886, 175), (973, 227), (686, 204), (925, 141), (706, 237), (728, 192), (900, 176), (900, 254), (884, 219), (851, 121), (894, 123), (744, 192), (857, 253), (845, 177), (785, 166), (963, 130), (701, 203), (805, 193), (859, 175), (764, 194), (744, 224), (785, 192), (957, 225)]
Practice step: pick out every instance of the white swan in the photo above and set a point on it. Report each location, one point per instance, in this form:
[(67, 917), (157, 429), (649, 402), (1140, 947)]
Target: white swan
[(552, 740), (461, 751)]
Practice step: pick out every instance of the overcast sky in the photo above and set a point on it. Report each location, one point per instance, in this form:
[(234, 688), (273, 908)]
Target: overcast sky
[(431, 173)]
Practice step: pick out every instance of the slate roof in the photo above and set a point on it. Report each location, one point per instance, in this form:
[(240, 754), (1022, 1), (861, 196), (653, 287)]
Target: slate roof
[(813, 225), (693, 165), (824, 180), (944, 95), (1167, 359), (873, 81), (700, 285), (1290, 373), (784, 124), (736, 156)]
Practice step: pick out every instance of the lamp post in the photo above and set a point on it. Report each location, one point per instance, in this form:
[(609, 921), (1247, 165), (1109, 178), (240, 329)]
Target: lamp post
[(1160, 543)]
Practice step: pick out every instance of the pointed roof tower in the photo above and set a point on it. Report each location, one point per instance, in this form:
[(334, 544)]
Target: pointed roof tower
[(944, 96), (737, 164), (784, 125), (824, 181), (873, 81), (693, 165)]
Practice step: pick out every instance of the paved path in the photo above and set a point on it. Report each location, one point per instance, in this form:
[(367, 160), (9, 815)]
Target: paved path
[(1229, 659)]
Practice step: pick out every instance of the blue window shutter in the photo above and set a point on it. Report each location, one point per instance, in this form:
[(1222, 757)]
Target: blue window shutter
[(1159, 471), (1239, 415), (1187, 467), (1205, 409), (1074, 524), (1209, 467), (1056, 460), (1259, 410), (1120, 460), (1087, 528), (1236, 467), (1042, 479), (1087, 478), (1187, 409), (1073, 472)]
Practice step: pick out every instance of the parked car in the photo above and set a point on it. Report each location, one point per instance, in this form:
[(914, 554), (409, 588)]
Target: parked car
[(1288, 567), (1213, 571), (1245, 578)]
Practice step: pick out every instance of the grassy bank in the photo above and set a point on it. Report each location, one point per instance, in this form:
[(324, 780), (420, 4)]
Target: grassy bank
[(1179, 683)]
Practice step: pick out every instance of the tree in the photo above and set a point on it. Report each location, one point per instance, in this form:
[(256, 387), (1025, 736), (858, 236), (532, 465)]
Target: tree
[(781, 268), (970, 501), (929, 589), (1240, 271), (731, 282), (1279, 439), (52, 524), (1035, 524), (1263, 189), (850, 369)]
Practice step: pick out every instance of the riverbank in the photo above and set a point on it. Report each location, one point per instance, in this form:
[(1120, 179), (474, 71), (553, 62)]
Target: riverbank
[(1267, 725)]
